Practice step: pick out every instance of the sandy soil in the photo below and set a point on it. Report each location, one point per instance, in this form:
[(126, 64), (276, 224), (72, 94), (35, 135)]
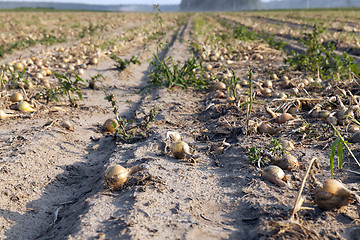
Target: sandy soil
[(52, 179)]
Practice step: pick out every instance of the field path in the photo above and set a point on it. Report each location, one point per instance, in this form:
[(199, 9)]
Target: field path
[(51, 178)]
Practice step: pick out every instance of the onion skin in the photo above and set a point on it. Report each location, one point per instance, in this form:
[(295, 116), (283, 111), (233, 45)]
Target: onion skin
[(116, 175), (180, 150), (332, 195)]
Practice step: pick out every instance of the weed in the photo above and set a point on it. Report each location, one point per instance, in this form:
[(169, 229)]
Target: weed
[(2, 80), (338, 145), (93, 81), (169, 74), (157, 17), (150, 118), (124, 132), (111, 98), (70, 87), (49, 94), (50, 40), (17, 78), (256, 157), (123, 64), (88, 30), (277, 148), (243, 33), (321, 59), (273, 42)]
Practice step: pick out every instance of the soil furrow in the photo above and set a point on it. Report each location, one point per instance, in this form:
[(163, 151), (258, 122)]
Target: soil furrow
[(75, 160), (293, 44), (96, 204)]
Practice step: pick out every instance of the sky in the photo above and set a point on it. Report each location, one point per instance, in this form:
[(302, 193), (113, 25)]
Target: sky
[(151, 2)]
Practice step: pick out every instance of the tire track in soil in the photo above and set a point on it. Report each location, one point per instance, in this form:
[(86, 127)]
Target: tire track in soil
[(58, 209), (292, 43)]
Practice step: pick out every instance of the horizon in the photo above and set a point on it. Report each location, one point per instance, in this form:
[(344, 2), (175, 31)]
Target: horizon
[(106, 2)]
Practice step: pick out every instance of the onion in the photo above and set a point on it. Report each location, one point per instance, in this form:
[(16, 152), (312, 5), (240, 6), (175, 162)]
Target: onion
[(324, 114), (274, 76), (333, 194), (208, 67), (244, 83), (110, 125), (94, 61), (287, 145), (283, 118), (39, 76), (71, 68), (81, 71), (288, 162), (265, 91), (275, 175), (48, 72), (116, 175), (231, 99), (37, 62), (25, 107), (19, 67), (354, 128), (315, 113), (218, 86), (180, 150), (16, 97), (268, 84), (267, 128), (219, 94), (286, 83), (332, 120), (213, 58), (355, 138), (218, 149), (203, 56), (67, 125)]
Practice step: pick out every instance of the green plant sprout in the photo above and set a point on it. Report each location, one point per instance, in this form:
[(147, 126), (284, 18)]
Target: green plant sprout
[(250, 102), (70, 87), (94, 79), (255, 156), (169, 74), (123, 64), (338, 146), (231, 85)]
